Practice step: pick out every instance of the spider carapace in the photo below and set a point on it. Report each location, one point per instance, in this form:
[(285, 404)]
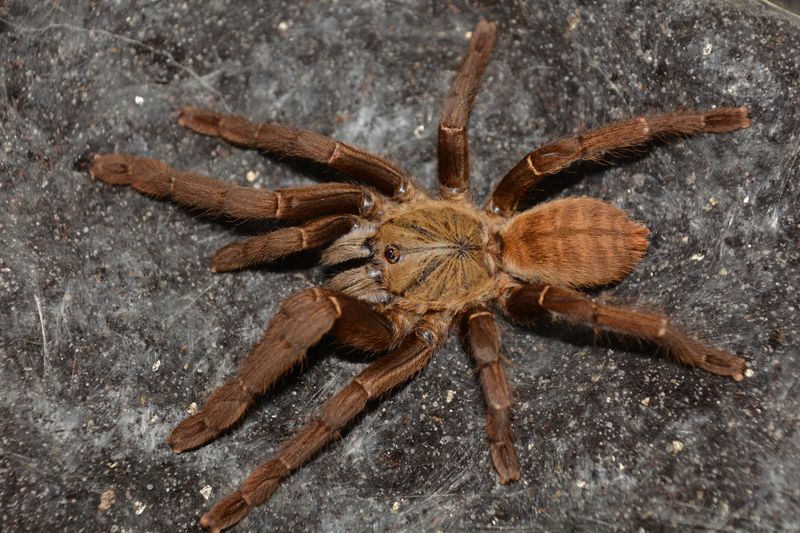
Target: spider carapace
[(430, 255), (406, 265)]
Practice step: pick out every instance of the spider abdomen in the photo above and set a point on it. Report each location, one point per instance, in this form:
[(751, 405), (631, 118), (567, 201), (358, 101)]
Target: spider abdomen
[(435, 255), (575, 242)]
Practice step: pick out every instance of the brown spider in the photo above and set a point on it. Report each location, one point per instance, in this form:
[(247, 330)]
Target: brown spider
[(411, 265)]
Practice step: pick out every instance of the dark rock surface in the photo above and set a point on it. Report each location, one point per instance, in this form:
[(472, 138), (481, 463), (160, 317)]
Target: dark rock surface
[(112, 323)]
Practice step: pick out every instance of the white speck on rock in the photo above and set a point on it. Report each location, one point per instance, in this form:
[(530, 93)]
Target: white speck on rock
[(156, 365), (697, 257), (450, 395), (419, 130), (107, 499), (206, 492), (707, 48), (139, 100), (192, 409), (675, 447), (251, 176), (749, 373), (139, 507)]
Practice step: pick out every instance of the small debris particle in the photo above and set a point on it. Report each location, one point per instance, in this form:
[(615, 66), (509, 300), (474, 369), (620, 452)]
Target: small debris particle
[(395, 507), (251, 176), (192, 409), (450, 395), (572, 23), (747, 199), (156, 365), (723, 271), (697, 257), (675, 447), (595, 378), (580, 483), (107, 499), (139, 100), (749, 373), (206, 492), (713, 202), (419, 130), (139, 507), (645, 401), (283, 25), (468, 35), (707, 49)]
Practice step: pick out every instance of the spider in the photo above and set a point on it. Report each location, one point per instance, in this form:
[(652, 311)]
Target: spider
[(408, 265)]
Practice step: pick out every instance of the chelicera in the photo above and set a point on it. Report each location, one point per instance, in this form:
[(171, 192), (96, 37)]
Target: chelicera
[(411, 264)]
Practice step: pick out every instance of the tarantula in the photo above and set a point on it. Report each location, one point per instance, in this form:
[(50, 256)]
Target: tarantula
[(411, 265)]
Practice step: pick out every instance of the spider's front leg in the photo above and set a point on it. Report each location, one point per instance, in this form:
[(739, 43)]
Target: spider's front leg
[(217, 197), (301, 322), (411, 357), (593, 144), (523, 302), (341, 201), (363, 166), (479, 334)]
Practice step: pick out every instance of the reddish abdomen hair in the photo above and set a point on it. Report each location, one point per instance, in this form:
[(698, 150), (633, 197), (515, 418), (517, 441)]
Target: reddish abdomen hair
[(573, 242)]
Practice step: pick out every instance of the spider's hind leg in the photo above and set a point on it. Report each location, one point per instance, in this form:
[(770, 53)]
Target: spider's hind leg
[(593, 144), (524, 301)]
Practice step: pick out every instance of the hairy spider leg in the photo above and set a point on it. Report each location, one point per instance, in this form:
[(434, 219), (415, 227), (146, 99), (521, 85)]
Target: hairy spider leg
[(593, 144), (522, 302), (410, 358), (370, 169), (481, 339), (303, 319), (280, 243), (453, 140), (221, 198)]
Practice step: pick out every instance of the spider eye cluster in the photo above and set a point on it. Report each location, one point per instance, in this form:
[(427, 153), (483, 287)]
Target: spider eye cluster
[(392, 253)]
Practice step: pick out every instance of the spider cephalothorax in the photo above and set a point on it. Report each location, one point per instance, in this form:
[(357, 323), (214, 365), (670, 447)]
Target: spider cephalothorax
[(427, 255), (409, 265)]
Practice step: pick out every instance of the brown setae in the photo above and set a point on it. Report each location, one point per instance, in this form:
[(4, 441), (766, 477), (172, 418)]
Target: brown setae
[(409, 265)]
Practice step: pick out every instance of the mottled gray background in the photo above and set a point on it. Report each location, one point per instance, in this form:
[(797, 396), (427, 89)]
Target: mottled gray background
[(112, 323)]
